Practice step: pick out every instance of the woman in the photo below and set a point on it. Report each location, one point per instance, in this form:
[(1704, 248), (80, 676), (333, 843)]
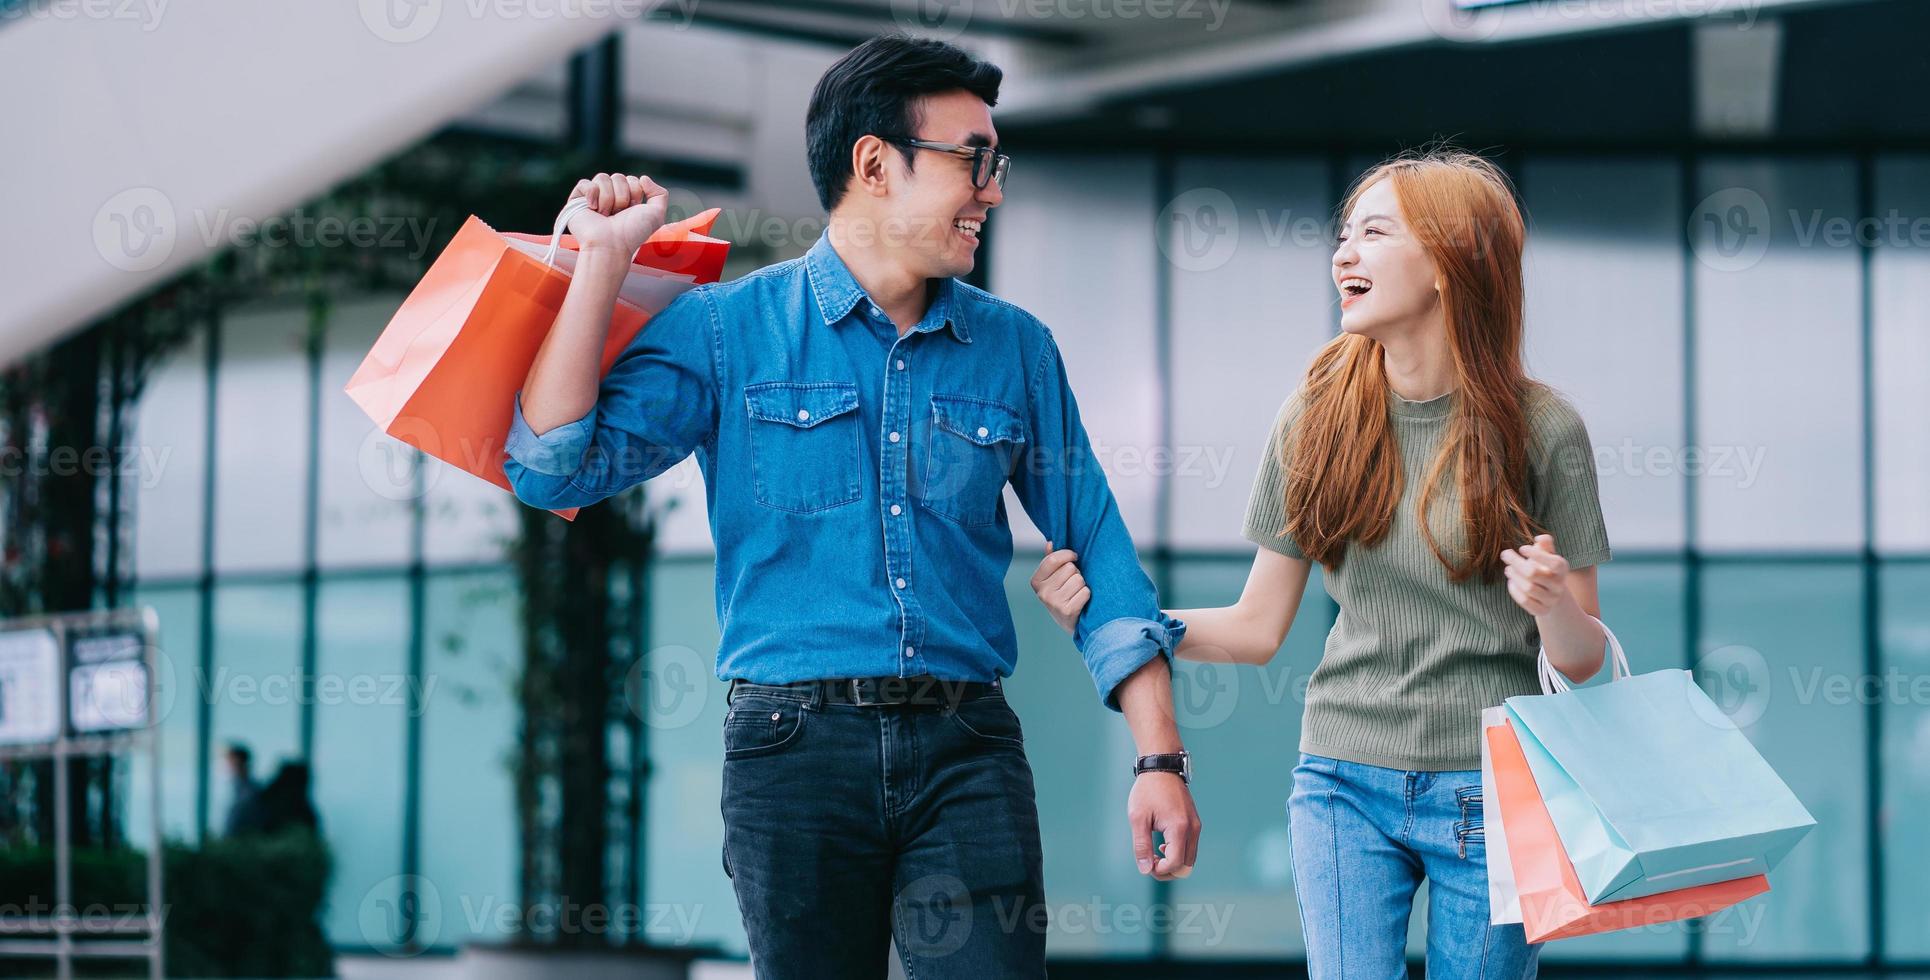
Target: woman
[(1420, 406)]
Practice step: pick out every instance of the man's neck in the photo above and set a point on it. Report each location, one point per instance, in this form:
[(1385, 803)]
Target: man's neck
[(904, 295)]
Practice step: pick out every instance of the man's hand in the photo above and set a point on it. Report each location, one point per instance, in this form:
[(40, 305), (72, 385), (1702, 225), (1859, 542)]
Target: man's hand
[(1161, 802), (1060, 587), (623, 213)]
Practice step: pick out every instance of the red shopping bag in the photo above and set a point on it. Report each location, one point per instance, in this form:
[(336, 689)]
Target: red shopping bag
[(1553, 905), (445, 370)]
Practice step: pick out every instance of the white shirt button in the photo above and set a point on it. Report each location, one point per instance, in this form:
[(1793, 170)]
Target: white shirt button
[(983, 432), (803, 416), (907, 651), (896, 510), (894, 437), (901, 583), (877, 312), (901, 364)]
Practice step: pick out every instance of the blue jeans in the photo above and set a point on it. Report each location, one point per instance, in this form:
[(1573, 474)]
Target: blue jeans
[(848, 826), (1363, 838)]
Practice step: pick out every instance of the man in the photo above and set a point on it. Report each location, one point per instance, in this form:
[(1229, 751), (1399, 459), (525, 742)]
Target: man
[(244, 809), (856, 414)]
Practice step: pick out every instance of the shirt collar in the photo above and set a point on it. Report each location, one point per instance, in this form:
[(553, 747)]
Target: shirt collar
[(837, 293)]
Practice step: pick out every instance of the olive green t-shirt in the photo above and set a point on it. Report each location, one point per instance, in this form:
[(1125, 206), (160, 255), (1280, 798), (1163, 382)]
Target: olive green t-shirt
[(1413, 658)]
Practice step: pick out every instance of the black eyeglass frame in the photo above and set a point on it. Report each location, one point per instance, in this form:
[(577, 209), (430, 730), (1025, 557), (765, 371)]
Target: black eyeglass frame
[(988, 165)]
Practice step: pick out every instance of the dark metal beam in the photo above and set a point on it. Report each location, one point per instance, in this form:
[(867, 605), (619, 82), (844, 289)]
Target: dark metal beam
[(596, 96)]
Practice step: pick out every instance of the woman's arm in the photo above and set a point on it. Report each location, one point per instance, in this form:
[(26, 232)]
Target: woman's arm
[(1562, 600), (1249, 632)]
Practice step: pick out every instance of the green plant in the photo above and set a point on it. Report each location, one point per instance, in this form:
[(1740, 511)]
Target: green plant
[(233, 907)]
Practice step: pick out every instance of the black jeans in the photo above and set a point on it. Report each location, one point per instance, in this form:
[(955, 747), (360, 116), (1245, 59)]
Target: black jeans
[(846, 826)]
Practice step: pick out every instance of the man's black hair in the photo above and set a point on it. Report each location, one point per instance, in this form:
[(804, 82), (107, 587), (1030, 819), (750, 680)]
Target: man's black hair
[(875, 90)]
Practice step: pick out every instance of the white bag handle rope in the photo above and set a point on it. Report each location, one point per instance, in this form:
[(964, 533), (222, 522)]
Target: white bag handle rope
[(562, 224), (1552, 681)]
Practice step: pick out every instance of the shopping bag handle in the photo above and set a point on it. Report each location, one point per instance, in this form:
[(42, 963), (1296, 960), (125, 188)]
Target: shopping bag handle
[(562, 223), (1552, 681)]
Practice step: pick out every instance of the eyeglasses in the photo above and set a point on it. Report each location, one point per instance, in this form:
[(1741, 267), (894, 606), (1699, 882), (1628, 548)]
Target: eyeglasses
[(987, 164)]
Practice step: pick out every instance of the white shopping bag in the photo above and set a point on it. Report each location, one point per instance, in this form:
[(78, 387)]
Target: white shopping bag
[(1504, 902)]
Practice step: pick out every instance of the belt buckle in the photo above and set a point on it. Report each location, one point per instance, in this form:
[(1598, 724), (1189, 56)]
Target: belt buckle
[(857, 692)]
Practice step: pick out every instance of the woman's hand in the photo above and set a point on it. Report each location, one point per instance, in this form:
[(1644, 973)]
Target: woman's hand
[(623, 213), (1537, 576), (1060, 587)]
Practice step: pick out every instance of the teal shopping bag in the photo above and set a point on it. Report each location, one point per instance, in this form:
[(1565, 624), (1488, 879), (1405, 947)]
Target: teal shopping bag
[(1651, 786)]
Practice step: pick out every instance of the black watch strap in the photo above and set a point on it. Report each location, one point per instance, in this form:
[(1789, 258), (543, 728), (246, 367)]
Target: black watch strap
[(1179, 763)]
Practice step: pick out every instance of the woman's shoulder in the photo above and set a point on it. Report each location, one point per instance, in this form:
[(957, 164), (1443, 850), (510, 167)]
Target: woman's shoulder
[(1546, 404), (1550, 412)]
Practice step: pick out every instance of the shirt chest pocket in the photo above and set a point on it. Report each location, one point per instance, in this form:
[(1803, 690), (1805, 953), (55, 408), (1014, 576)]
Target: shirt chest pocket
[(804, 439), (974, 445)]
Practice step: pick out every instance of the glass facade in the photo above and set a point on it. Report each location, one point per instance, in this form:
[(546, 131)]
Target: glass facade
[(1759, 439)]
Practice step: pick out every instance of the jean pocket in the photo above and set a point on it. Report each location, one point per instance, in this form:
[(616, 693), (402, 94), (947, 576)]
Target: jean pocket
[(1470, 830), (805, 444), (762, 726), (974, 444), (989, 721)]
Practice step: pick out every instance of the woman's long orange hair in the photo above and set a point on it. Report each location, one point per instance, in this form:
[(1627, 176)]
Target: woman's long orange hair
[(1344, 475)]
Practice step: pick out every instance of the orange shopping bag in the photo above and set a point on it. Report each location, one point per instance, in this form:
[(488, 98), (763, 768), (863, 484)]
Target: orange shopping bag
[(444, 372), (1553, 905)]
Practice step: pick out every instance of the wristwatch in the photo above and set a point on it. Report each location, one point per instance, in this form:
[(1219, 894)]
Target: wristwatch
[(1180, 762)]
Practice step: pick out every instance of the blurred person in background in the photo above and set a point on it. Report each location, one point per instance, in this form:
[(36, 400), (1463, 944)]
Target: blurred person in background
[(856, 414), (244, 807), (284, 802), (281, 803), (1420, 407)]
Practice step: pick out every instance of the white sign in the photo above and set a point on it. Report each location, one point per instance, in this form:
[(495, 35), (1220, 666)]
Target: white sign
[(107, 687), (29, 687)]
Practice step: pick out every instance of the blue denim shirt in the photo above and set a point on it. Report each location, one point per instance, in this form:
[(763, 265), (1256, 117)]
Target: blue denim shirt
[(854, 478)]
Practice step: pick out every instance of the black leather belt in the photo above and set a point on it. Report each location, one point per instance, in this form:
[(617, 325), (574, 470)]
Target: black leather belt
[(920, 690)]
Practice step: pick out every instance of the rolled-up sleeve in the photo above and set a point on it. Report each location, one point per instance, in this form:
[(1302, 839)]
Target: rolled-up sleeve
[(558, 452), (1065, 492), (655, 406)]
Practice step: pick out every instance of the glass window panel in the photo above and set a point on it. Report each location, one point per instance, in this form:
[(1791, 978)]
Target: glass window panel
[(1782, 650), (465, 518), (367, 477), (362, 702), (254, 691), (261, 438), (472, 657), (1248, 245), (1779, 379), (171, 437), (682, 703), (179, 715), (1905, 632), (1074, 250), (1603, 274), (1900, 339)]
